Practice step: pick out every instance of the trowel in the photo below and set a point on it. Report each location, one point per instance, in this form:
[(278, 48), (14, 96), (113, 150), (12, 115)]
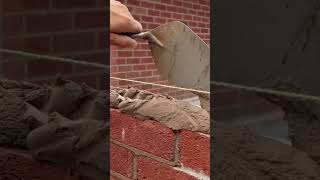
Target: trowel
[(180, 55)]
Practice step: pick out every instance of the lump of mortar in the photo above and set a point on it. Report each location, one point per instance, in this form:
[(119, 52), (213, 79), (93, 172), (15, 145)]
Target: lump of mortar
[(19, 89), (64, 97), (79, 144), (173, 113), (303, 117), (242, 155), (204, 100), (94, 107), (15, 120)]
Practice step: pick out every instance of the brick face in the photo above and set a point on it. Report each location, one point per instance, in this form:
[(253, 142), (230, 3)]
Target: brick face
[(121, 160), (194, 152), (149, 169), (74, 28), (152, 14), (146, 149), (149, 136)]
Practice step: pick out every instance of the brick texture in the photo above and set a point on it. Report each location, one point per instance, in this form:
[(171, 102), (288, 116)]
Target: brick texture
[(150, 169), (145, 149), (148, 136), (196, 14), (20, 165), (194, 151), (121, 160), (74, 29)]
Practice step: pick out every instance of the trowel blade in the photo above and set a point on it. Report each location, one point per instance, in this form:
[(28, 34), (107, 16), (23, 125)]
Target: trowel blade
[(185, 58)]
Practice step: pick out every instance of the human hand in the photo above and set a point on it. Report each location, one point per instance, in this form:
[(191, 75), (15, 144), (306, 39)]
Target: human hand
[(121, 21)]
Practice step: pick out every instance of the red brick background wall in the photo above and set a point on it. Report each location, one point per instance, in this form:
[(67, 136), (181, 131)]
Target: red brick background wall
[(67, 28), (150, 150), (138, 64), (16, 165)]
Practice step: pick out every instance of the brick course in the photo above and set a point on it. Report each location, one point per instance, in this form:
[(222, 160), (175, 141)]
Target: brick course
[(158, 151)]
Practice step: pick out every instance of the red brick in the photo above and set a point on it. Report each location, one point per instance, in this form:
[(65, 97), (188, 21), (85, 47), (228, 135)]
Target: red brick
[(146, 19), (134, 2), (48, 22), (23, 5), (160, 20), (196, 6), (147, 4), (73, 42), (195, 151), (166, 14), (140, 11), (172, 8), (151, 66), (146, 73), (132, 75), (149, 136), (160, 7), (201, 13), (146, 60), (38, 68), (119, 75), (114, 69), (139, 53), (152, 12), (93, 19), (146, 86), (70, 4), (152, 170), (121, 160), (124, 53), (152, 79), (182, 10), (125, 68), (166, 1), (187, 17), (125, 83), (139, 67), (188, 5), (205, 8), (118, 61), (13, 25), (177, 3), (177, 16), (133, 60)]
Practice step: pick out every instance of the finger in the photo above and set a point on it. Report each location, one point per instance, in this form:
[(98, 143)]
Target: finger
[(122, 41), (126, 24)]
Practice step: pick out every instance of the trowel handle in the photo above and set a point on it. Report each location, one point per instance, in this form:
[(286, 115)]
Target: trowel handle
[(144, 35)]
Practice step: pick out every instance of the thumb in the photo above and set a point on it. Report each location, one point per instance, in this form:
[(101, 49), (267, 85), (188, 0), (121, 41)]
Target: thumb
[(122, 41)]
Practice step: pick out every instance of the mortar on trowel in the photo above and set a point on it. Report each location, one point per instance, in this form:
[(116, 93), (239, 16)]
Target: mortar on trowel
[(180, 55)]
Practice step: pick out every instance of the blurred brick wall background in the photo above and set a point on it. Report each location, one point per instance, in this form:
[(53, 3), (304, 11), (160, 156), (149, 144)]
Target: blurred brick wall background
[(138, 64), (67, 28)]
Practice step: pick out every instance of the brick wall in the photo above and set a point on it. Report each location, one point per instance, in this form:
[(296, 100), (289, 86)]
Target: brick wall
[(16, 165), (72, 28), (150, 150), (138, 64)]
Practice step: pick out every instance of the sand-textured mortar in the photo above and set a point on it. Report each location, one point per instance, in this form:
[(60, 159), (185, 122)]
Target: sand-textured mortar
[(64, 123), (175, 114), (242, 155)]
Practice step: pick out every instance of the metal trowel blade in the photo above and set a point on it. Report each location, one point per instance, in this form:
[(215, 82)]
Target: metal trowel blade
[(184, 58)]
